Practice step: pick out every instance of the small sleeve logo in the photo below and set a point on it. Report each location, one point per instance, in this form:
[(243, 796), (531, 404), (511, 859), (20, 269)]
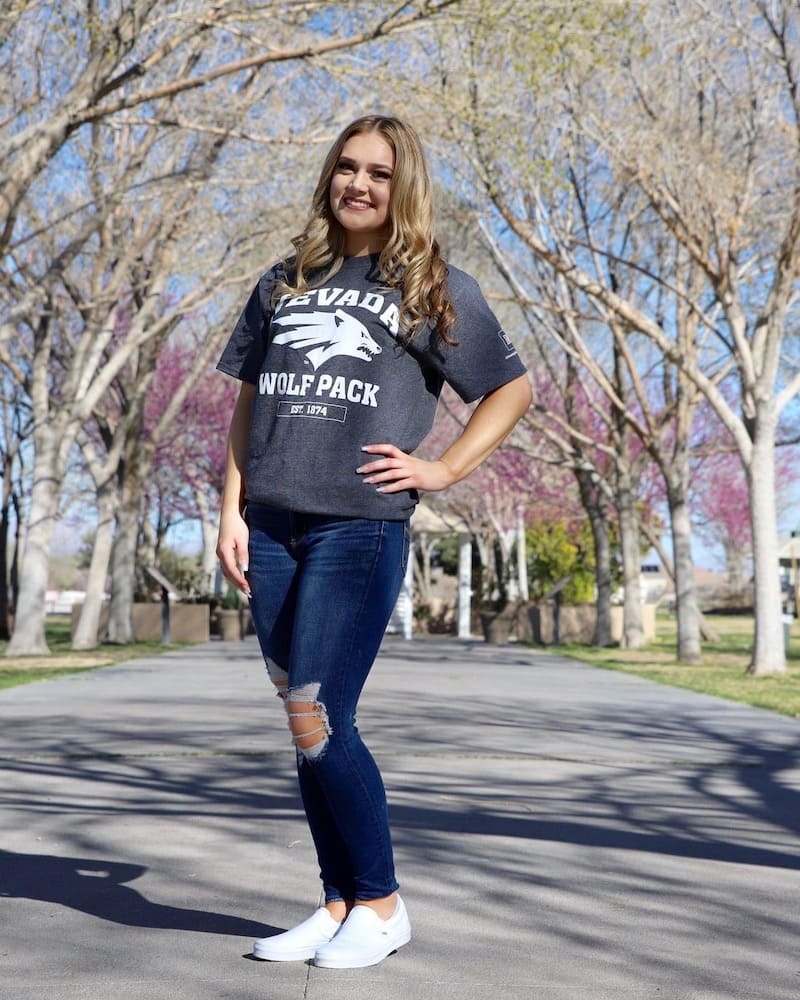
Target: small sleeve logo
[(508, 347)]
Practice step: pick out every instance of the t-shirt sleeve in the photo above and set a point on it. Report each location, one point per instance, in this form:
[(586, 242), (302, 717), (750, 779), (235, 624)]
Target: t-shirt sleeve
[(247, 346), (484, 357)]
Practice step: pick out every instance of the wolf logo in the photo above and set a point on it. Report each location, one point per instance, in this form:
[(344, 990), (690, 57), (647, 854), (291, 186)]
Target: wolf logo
[(328, 335)]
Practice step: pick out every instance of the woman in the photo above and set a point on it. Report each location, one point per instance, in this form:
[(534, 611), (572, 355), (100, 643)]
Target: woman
[(342, 351)]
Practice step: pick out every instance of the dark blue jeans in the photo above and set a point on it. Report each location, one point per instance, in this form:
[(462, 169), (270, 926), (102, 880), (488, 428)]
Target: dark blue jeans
[(323, 590)]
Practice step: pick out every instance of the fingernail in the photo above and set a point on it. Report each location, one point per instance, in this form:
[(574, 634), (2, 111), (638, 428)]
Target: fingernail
[(369, 479), (360, 468)]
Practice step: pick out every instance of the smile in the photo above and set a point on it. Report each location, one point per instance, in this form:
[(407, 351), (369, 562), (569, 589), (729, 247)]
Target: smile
[(356, 203)]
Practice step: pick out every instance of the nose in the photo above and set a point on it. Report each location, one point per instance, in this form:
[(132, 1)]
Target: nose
[(358, 180)]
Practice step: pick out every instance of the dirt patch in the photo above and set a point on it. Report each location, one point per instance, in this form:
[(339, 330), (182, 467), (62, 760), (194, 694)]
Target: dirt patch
[(54, 662)]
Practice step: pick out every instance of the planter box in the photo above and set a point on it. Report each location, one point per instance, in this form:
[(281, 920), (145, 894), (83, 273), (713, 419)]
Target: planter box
[(497, 626), (230, 624), (576, 623), (515, 621), (187, 622)]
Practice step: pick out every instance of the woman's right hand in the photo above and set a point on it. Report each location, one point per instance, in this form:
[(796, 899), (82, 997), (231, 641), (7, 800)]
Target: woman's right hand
[(232, 549)]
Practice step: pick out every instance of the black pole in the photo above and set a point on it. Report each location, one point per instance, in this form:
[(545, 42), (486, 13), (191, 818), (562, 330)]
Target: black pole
[(557, 618), (164, 616)]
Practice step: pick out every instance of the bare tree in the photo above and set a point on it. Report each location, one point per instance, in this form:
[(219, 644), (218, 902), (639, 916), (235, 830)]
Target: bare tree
[(107, 163), (99, 320), (694, 108), (579, 430), (718, 103), (134, 54), (102, 463), (15, 428)]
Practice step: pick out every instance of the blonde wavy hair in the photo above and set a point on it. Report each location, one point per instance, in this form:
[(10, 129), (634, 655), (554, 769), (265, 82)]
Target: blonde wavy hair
[(411, 259)]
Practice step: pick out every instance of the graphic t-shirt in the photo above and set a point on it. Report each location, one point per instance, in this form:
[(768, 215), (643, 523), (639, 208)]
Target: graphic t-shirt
[(333, 374)]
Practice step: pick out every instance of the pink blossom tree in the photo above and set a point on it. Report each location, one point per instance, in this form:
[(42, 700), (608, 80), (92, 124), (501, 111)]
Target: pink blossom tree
[(722, 500), (497, 501), (189, 450)]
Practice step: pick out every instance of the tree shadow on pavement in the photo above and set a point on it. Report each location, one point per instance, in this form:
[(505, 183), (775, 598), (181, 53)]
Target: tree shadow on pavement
[(99, 888), (576, 825)]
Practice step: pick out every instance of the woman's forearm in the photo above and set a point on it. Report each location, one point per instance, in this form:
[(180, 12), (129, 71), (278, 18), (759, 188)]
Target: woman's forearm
[(491, 422)]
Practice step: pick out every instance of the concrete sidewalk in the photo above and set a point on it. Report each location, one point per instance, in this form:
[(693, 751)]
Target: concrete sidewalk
[(561, 832)]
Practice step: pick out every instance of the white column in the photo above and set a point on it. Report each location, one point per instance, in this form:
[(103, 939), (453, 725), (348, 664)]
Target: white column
[(464, 586), (522, 559)]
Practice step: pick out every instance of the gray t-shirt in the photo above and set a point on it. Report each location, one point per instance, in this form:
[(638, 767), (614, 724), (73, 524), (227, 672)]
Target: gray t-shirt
[(332, 375)]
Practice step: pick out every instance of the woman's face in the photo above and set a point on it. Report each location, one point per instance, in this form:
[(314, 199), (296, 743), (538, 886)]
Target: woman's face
[(359, 192)]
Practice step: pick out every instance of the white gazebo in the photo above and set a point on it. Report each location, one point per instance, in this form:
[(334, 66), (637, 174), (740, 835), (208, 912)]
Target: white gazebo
[(428, 522)]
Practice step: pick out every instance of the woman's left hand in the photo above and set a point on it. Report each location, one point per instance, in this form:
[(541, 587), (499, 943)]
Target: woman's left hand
[(398, 471)]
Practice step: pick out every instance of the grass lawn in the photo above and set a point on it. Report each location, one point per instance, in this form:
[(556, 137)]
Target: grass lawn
[(722, 672), (24, 669)]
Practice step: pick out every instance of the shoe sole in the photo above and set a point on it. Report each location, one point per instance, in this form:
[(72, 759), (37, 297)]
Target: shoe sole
[(295, 956), (364, 963)]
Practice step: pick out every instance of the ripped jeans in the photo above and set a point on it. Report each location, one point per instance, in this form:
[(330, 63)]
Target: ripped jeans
[(323, 590)]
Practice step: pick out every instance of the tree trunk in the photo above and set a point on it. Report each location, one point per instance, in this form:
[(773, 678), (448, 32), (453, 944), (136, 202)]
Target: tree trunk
[(4, 603), (707, 633), (422, 548), (123, 571), (769, 656), (484, 545), (134, 470), (503, 548), (149, 543), (632, 618), (628, 513), (209, 527), (5, 522), (86, 630), (28, 638), (602, 548), (18, 532), (686, 609), (603, 582), (676, 479), (602, 558), (508, 549), (123, 556)]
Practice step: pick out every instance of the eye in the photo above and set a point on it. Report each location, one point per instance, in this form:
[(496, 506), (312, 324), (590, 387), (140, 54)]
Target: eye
[(382, 175)]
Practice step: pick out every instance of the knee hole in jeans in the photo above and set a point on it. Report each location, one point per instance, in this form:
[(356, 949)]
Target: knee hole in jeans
[(308, 719)]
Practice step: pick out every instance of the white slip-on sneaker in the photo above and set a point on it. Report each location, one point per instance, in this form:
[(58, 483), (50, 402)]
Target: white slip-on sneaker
[(300, 942), (365, 939)]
